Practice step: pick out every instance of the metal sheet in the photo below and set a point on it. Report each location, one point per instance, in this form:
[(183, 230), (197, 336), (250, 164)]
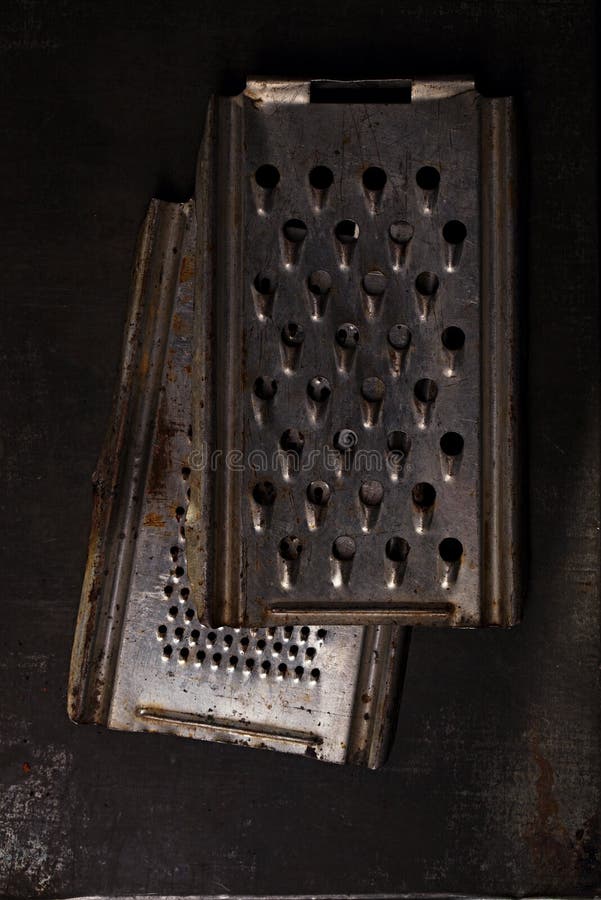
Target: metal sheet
[(142, 661), (356, 449)]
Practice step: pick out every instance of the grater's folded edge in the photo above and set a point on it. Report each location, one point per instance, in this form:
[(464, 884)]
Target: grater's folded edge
[(115, 652), (221, 565)]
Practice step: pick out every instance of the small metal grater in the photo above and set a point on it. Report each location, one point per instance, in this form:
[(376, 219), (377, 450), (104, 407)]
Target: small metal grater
[(355, 395), (142, 661)]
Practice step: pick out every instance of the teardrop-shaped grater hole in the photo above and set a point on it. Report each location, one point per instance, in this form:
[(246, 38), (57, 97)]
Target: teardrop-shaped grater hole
[(428, 178), (451, 443), (374, 179), (293, 334), (319, 284), (451, 552), (453, 338), (397, 551), (295, 231), (424, 497), (398, 444), (319, 389), (347, 339), (318, 497), (290, 548), (454, 234), (264, 493), (265, 388), (321, 178), (399, 341), (426, 390), (371, 494), (347, 231), (372, 396), (267, 177)]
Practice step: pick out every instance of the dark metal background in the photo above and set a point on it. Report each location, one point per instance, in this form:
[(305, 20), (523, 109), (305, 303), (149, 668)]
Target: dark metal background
[(493, 783)]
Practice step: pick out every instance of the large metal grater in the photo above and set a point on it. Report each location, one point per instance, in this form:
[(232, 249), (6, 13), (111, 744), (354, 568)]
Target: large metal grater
[(142, 661), (356, 387)]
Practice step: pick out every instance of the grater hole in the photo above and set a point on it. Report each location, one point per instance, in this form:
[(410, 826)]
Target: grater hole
[(167, 651), (423, 495), (453, 338), (168, 590), (290, 548), (250, 664), (161, 631), (179, 571), (371, 493), (261, 645), (293, 651), (233, 662), (184, 653), (211, 638), (310, 652), (271, 631), (174, 552), (320, 282), (283, 669), (228, 640), (426, 284), (315, 674), (401, 232), (184, 593), (343, 548), (374, 283), (288, 629), (451, 443), (304, 633), (295, 231), (428, 178), (299, 672), (321, 178), (399, 337), (347, 231), (293, 334), (180, 512), (217, 658), (347, 336), (345, 440), (244, 642), (450, 550), (318, 493), (264, 493), (426, 390), (194, 635), (172, 612), (266, 282), (454, 232), (321, 634), (374, 179), (189, 615), (265, 388), (397, 549), (267, 177), (319, 389), (277, 647), (372, 390), (179, 633), (266, 666), (186, 472), (398, 442), (201, 656), (292, 441)]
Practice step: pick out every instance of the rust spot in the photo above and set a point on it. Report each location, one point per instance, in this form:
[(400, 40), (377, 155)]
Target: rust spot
[(179, 325), (154, 520), (26, 768), (553, 849), (186, 272), (366, 698)]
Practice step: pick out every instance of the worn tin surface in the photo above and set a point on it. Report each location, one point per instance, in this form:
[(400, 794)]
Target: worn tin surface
[(357, 399), (141, 659), (492, 786)]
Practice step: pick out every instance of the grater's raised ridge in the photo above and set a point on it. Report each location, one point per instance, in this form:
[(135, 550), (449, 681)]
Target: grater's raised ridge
[(356, 378), (142, 661)]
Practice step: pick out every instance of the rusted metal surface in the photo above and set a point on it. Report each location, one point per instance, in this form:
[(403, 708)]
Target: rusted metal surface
[(142, 661), (356, 426)]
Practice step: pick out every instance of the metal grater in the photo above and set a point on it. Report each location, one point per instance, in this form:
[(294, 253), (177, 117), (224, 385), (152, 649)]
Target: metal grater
[(355, 442), (142, 661)]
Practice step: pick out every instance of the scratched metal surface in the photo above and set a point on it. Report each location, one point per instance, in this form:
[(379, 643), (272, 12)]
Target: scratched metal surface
[(493, 783)]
